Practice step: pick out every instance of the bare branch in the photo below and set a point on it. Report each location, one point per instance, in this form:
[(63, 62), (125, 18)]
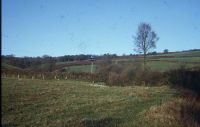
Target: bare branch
[(145, 39)]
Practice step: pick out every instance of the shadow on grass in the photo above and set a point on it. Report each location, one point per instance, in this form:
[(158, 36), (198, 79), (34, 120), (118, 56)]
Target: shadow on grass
[(7, 125), (94, 122), (97, 123)]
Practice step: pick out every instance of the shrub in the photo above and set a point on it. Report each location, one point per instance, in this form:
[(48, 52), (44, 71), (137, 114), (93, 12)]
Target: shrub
[(119, 74), (150, 78), (113, 79), (129, 74), (185, 77)]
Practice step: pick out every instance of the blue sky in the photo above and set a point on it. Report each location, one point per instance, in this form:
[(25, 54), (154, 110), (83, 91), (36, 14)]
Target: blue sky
[(66, 27)]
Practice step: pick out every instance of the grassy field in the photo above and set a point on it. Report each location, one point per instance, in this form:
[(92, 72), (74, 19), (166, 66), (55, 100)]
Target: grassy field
[(8, 66), (182, 59), (184, 54), (180, 54), (163, 63), (81, 68), (67, 62), (70, 103)]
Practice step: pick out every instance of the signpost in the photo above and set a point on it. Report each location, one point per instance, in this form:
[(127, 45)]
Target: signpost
[(92, 67), (92, 64)]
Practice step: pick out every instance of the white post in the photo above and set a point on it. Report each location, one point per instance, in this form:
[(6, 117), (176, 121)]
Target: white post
[(92, 71), (92, 68), (42, 76)]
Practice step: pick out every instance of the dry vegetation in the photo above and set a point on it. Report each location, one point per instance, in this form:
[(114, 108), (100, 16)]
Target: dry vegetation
[(175, 113)]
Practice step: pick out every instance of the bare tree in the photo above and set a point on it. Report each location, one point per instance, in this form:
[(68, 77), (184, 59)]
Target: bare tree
[(145, 39)]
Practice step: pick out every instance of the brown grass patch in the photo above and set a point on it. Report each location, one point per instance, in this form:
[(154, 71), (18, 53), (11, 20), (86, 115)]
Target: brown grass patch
[(184, 112)]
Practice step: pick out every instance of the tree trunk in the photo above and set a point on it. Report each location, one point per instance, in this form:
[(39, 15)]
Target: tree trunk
[(144, 62), (144, 71)]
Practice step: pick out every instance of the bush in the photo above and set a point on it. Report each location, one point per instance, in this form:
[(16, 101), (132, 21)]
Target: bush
[(109, 73), (121, 74), (129, 74), (114, 79), (186, 78), (151, 78)]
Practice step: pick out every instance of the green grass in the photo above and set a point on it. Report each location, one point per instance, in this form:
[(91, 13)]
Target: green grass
[(81, 68), (75, 103), (66, 62), (175, 59), (44, 66), (182, 54), (8, 66), (188, 59), (162, 66), (165, 66), (181, 59), (188, 54)]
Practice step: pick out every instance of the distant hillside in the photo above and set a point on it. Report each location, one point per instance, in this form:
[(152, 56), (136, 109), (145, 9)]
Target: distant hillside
[(9, 67), (195, 53), (158, 61)]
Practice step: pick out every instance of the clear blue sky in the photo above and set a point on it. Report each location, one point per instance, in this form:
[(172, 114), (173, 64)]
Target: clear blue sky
[(65, 27)]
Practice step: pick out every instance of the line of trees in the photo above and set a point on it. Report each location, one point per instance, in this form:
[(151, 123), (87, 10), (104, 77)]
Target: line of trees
[(48, 62)]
